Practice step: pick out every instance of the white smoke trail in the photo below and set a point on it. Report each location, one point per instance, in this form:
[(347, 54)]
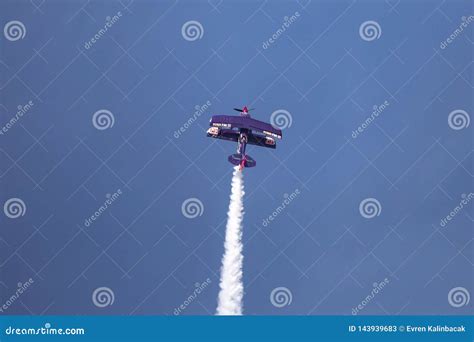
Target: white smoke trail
[(232, 288)]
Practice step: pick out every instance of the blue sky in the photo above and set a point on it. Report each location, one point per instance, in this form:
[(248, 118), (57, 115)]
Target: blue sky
[(321, 70)]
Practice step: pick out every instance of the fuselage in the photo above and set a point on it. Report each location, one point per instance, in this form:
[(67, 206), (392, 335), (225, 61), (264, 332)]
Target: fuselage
[(241, 146), (244, 130)]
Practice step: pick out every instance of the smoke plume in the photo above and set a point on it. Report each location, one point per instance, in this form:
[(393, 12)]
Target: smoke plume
[(231, 286)]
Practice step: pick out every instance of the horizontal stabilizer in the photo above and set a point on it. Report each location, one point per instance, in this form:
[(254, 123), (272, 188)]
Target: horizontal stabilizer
[(249, 161), (236, 159)]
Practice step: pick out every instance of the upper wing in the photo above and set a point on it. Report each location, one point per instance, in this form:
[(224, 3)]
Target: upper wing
[(230, 121)]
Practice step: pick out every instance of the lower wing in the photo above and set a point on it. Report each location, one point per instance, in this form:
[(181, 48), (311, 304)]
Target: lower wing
[(261, 141), (224, 134)]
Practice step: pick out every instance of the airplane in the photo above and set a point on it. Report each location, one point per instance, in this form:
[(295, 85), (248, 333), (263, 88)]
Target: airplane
[(244, 130)]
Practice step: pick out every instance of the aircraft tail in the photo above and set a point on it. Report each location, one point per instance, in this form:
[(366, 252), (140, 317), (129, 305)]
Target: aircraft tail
[(238, 158)]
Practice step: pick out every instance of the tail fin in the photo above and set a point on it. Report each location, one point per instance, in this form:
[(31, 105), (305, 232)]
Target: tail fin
[(236, 159)]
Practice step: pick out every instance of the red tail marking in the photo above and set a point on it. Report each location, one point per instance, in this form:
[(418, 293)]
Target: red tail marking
[(242, 163)]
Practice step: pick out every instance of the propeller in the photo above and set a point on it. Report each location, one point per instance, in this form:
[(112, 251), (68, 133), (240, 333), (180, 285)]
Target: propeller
[(241, 110)]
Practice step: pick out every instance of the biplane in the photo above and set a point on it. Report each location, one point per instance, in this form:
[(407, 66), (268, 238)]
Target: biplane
[(244, 130)]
